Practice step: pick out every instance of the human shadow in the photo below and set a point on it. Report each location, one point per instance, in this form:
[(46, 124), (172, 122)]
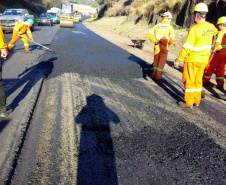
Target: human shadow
[(3, 124), (96, 159), (145, 67), (29, 77)]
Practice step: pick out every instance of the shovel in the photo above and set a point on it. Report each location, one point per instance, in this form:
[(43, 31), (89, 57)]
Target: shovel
[(38, 44)]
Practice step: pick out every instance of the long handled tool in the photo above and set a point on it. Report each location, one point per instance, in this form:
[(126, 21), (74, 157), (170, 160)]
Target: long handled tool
[(38, 44)]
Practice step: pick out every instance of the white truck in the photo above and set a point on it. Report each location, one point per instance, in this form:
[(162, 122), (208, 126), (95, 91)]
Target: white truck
[(55, 14), (11, 17)]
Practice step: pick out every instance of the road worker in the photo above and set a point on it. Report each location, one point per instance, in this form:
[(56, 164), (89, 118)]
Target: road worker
[(163, 36), (218, 59), (195, 53), (19, 32), (4, 109)]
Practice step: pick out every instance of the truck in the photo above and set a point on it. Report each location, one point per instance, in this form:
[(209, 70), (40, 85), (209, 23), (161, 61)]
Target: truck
[(55, 14), (11, 17)]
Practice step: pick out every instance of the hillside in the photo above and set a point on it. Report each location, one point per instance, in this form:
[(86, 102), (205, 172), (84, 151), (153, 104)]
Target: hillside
[(150, 10), (121, 25)]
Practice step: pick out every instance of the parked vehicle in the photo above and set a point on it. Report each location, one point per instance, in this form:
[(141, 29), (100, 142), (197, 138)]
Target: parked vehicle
[(55, 17), (45, 19), (11, 17)]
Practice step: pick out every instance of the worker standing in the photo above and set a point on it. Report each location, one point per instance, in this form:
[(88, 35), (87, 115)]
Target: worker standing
[(218, 60), (4, 109), (19, 32), (195, 53), (163, 36)]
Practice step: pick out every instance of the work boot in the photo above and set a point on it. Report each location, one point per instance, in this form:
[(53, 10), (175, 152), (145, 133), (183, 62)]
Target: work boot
[(28, 51), (183, 105), (196, 104), (5, 111), (222, 96)]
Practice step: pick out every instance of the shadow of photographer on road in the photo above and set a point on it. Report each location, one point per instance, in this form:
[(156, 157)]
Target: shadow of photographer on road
[(96, 160)]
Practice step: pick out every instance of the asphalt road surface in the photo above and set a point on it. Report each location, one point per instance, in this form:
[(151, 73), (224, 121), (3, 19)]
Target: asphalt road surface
[(99, 121)]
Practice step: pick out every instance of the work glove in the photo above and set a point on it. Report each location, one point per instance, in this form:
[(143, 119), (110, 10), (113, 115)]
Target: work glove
[(157, 43), (176, 64), (4, 54)]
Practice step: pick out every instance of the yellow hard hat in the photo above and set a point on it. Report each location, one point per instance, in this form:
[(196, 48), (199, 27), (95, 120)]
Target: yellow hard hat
[(221, 20), (200, 7), (167, 15)]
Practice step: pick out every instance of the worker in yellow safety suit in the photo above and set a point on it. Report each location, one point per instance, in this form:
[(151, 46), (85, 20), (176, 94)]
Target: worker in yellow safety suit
[(195, 53), (19, 32), (4, 109), (163, 36), (218, 59)]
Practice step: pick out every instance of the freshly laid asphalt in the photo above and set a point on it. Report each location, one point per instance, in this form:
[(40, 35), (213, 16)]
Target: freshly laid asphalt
[(151, 141)]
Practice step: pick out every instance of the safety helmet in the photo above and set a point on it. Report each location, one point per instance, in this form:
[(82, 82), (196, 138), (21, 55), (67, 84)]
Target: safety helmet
[(30, 21), (221, 20), (200, 7), (167, 15)]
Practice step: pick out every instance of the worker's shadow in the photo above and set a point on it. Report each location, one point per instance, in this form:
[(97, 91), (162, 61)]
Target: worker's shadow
[(213, 91), (29, 78), (3, 124), (147, 70), (96, 158), (168, 87), (144, 66)]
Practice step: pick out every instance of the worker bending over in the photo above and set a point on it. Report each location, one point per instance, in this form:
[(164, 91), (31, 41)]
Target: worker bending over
[(163, 36), (195, 53), (218, 60), (19, 32)]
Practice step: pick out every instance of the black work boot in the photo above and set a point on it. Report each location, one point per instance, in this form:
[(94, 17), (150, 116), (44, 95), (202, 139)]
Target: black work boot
[(5, 111)]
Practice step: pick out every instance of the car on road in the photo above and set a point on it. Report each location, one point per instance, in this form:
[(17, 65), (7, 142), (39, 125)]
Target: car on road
[(11, 17), (45, 19), (55, 17)]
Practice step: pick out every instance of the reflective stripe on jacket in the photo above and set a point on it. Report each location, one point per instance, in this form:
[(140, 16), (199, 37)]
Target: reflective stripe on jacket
[(21, 28), (162, 31), (3, 45), (197, 46), (220, 44)]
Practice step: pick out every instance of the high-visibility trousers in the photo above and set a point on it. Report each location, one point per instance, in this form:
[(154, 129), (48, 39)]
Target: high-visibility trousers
[(160, 57), (192, 79), (15, 38), (217, 62)]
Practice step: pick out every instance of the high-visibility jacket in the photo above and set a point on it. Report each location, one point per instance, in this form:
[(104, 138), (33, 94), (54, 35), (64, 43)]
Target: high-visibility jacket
[(3, 45), (197, 46), (220, 44), (21, 28), (162, 31)]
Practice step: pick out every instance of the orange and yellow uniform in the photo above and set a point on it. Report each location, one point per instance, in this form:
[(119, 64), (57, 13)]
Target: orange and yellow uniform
[(164, 33), (195, 53), (20, 29), (217, 61), (3, 45)]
